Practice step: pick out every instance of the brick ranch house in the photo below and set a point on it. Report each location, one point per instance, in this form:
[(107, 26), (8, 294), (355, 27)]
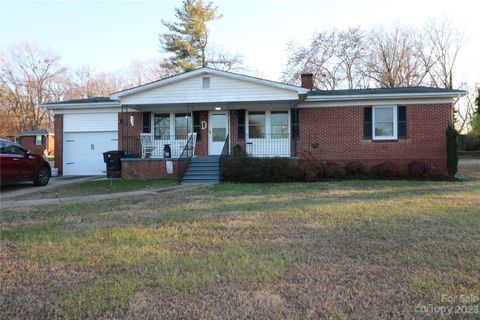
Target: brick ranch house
[(38, 141), (228, 111)]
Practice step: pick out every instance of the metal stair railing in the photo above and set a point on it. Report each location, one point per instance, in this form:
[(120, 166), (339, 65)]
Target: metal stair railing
[(223, 157), (186, 156)]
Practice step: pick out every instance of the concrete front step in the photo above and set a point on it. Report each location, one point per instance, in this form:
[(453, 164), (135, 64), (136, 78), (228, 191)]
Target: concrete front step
[(202, 170), (203, 164), (200, 181), (201, 174), (205, 175), (197, 169), (204, 159)]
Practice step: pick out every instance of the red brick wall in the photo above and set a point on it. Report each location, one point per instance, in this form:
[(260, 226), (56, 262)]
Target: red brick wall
[(147, 169), (338, 131), (28, 142), (201, 148), (234, 132), (128, 135), (58, 130)]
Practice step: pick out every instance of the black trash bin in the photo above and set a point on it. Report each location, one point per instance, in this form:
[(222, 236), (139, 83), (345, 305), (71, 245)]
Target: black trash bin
[(167, 151), (112, 160)]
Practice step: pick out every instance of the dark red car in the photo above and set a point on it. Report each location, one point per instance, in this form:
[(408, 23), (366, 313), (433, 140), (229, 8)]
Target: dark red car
[(18, 164)]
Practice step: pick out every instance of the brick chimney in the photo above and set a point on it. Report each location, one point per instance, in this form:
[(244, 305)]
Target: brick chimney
[(307, 81)]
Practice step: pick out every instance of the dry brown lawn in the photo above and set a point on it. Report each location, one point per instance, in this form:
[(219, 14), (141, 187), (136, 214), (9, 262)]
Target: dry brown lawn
[(329, 250)]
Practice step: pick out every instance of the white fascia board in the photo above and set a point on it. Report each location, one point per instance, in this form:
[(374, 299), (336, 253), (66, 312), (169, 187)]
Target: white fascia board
[(378, 102), (201, 71), (77, 108), (385, 96), (66, 106)]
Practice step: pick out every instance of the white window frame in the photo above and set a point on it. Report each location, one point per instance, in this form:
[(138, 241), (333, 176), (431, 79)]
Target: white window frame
[(152, 120), (268, 122), (36, 140), (172, 122), (395, 123)]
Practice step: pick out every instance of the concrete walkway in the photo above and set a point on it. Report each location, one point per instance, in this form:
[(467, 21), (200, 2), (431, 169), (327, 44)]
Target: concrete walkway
[(109, 196), (24, 188)]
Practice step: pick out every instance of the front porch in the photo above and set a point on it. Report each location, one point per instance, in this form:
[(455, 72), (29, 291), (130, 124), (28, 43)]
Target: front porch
[(162, 132)]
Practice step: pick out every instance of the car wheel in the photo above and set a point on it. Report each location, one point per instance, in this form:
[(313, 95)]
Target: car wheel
[(43, 176)]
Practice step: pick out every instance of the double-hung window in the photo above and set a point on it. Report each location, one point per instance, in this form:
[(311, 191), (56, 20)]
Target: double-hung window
[(279, 123), (183, 126), (38, 140), (161, 126), (384, 124), (256, 125)]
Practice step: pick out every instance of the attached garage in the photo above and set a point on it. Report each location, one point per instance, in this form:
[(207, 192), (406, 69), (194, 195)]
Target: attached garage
[(85, 138)]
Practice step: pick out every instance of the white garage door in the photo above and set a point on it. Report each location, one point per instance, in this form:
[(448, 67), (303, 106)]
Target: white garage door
[(86, 137), (83, 152)]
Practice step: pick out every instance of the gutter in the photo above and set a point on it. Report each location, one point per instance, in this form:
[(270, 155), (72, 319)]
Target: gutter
[(383, 96), (66, 106)]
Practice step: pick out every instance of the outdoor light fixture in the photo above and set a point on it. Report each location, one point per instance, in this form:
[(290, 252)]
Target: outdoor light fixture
[(218, 108)]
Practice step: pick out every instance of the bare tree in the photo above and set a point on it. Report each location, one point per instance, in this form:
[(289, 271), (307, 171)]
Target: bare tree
[(219, 59), (319, 58), (27, 76), (444, 41), (351, 52), (335, 58), (141, 72), (382, 57), (396, 58), (465, 109)]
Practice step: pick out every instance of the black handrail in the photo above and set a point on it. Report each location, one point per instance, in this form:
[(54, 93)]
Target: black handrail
[(223, 157), (185, 157)]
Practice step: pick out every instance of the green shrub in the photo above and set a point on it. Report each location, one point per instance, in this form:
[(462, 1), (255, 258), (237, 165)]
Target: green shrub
[(355, 168), (420, 169), (330, 170), (242, 168), (385, 169), (308, 171)]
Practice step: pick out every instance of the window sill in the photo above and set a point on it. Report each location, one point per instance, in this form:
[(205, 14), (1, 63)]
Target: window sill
[(385, 139)]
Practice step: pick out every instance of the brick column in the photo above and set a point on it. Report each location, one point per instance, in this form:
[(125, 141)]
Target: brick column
[(128, 134), (201, 148), (58, 130)]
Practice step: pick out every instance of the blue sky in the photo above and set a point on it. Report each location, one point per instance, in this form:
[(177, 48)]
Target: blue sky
[(108, 35)]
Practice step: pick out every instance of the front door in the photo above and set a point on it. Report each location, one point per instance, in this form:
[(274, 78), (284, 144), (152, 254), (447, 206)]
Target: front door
[(217, 132)]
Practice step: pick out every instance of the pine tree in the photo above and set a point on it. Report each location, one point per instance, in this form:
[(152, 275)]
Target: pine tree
[(187, 38)]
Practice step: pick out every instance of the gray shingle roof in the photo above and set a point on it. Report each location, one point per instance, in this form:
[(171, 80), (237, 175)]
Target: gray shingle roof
[(87, 100), (33, 132), (374, 91)]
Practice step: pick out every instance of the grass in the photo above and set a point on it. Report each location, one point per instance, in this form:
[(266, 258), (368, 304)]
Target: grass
[(103, 297), (103, 186), (329, 250)]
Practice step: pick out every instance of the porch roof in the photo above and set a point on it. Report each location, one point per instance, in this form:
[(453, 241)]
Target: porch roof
[(206, 71)]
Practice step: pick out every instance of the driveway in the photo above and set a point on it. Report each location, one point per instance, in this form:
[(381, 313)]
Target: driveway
[(98, 197), (28, 187)]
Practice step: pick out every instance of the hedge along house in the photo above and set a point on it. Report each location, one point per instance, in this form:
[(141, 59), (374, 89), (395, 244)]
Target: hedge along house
[(207, 112)]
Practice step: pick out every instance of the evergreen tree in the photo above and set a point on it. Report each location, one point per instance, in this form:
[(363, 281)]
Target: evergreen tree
[(187, 38), (476, 116), (452, 153)]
